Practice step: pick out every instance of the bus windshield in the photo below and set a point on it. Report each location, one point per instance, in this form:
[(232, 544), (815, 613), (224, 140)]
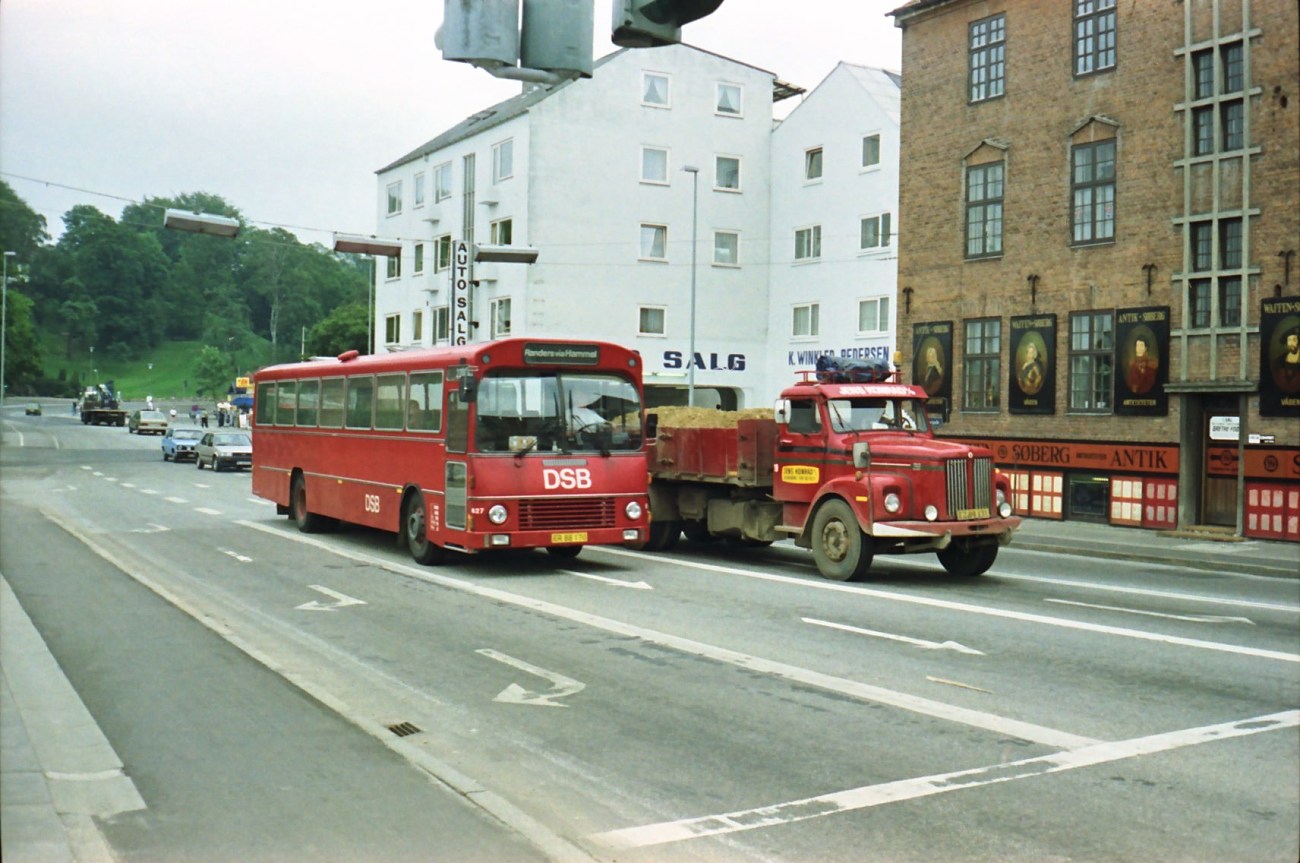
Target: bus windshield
[(866, 414), (520, 411)]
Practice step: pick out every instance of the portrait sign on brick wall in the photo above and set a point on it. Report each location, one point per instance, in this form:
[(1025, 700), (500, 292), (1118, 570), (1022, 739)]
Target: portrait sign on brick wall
[(1142, 361), (1032, 376), (932, 363), (1279, 357)]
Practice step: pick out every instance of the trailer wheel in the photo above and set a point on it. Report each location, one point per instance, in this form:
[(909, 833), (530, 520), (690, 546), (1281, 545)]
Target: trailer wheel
[(425, 551), (663, 535), (307, 521), (697, 531), (968, 558), (563, 552), (842, 551)]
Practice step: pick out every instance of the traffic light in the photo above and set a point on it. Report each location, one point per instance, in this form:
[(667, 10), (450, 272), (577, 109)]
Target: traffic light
[(650, 23), (551, 43)]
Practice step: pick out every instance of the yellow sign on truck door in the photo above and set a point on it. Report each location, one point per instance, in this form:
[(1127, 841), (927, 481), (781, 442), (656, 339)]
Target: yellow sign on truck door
[(800, 474)]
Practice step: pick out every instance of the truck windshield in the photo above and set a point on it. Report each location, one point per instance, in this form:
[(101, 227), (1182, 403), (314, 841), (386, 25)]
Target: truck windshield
[(863, 414), (523, 412)]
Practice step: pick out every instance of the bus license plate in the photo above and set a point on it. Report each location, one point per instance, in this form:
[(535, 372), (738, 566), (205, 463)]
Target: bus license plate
[(568, 537), (968, 514)]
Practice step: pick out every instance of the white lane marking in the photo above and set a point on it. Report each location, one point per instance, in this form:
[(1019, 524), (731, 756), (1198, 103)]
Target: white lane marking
[(924, 786), (1160, 594), (128, 485), (851, 688), (88, 467), (915, 642), (561, 686), (176, 500), (148, 491), (616, 582), (341, 600), (949, 605), (236, 555), (201, 485), (152, 528), (1193, 618), (206, 511), (261, 501)]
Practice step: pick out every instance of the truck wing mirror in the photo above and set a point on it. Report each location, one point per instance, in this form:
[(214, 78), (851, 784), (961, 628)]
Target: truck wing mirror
[(781, 412), (651, 426), (861, 454)]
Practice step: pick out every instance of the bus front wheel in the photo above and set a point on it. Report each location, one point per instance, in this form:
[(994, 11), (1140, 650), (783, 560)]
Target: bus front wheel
[(307, 521), (425, 551), (563, 552)]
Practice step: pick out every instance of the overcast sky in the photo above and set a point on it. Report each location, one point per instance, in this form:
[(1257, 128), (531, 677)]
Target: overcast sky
[(286, 108)]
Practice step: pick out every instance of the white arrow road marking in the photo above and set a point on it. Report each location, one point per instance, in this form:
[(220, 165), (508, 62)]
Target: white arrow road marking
[(1194, 618), (515, 694), (342, 599), (152, 528), (636, 585), (928, 645), (239, 557)]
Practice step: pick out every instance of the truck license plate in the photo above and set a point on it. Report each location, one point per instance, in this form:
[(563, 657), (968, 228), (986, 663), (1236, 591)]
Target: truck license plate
[(969, 514), (569, 537)]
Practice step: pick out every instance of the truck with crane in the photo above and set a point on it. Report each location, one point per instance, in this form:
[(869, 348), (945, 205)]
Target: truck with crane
[(100, 406)]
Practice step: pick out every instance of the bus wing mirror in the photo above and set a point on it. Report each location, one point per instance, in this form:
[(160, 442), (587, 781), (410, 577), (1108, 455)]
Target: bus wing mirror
[(468, 389), (861, 454)]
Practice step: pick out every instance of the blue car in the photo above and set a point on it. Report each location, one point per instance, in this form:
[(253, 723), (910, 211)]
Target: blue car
[(178, 443)]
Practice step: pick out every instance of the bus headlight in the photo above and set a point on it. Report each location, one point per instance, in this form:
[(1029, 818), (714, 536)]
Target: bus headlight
[(893, 503), (931, 513), (497, 514), (633, 510)]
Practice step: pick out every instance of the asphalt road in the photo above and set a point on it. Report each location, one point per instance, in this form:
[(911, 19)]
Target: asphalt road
[(712, 704)]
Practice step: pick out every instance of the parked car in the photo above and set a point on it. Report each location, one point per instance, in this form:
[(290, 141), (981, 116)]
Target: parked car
[(147, 422), (178, 443), (222, 449), (33, 410)]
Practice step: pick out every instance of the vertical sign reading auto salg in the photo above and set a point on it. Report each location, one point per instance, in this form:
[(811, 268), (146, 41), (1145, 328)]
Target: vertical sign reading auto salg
[(460, 272)]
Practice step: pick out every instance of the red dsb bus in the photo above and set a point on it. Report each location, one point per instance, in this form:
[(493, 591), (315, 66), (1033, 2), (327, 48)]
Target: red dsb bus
[(519, 443)]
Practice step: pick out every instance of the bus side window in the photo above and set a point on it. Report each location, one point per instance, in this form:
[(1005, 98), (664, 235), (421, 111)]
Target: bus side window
[(360, 402), (331, 403), (424, 408), (389, 400)]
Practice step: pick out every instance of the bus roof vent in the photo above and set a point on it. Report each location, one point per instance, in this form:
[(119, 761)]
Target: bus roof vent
[(348, 356)]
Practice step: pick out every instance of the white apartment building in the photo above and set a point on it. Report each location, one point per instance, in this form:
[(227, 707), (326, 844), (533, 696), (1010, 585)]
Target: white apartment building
[(610, 179)]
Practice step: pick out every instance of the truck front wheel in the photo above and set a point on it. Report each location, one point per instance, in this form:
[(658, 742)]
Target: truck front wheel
[(842, 551), (968, 558)]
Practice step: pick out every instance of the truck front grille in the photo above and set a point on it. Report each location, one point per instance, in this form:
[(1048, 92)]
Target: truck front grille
[(563, 513), (970, 487)]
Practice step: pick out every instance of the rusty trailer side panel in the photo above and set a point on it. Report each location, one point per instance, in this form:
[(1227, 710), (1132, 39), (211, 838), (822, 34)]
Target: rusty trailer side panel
[(740, 456)]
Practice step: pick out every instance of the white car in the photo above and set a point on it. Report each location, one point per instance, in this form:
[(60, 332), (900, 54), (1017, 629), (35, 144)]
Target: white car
[(223, 449)]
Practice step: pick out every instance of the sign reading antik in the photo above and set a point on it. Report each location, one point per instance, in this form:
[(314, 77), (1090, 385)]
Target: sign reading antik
[(1141, 361)]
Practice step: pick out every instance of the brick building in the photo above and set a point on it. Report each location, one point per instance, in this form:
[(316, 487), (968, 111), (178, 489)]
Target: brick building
[(1098, 221)]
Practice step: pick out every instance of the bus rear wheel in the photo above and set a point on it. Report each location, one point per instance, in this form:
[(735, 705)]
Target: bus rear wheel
[(307, 521), (423, 550), (842, 551)]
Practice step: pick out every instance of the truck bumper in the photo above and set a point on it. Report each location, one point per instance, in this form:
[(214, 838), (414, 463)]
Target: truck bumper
[(941, 533)]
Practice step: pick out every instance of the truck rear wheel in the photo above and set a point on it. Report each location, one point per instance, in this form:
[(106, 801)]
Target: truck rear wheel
[(842, 551), (697, 531), (663, 535), (968, 558)]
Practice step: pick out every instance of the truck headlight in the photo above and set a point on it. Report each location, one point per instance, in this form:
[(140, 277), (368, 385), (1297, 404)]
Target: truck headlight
[(633, 510), (1004, 509), (497, 514), (893, 503)]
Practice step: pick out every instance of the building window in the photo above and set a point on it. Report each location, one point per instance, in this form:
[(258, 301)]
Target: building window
[(873, 232), (1203, 130), (500, 312), (726, 248), (1234, 68), (655, 90), (394, 198), (1203, 74), (654, 165), (729, 100), (988, 58), (1230, 244), (442, 253), (503, 232), (441, 329), (1233, 118), (984, 210), (395, 266), (805, 321), (503, 161), (442, 182), (650, 321), (1094, 36), (418, 265), (417, 326), (1230, 301), (1093, 185), (418, 192), (654, 242), (808, 243), (873, 315), (1198, 303), (983, 364), (392, 329), (726, 173), (812, 164), (1092, 345), (870, 151), (1202, 246)]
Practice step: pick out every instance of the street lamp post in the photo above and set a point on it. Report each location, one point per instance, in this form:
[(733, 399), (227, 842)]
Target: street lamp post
[(4, 321), (695, 212)]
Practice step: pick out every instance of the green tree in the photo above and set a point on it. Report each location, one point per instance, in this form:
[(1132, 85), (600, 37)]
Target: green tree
[(22, 230), (213, 372), (22, 350), (345, 329)]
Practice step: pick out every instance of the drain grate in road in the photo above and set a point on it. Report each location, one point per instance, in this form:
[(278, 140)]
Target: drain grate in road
[(404, 729)]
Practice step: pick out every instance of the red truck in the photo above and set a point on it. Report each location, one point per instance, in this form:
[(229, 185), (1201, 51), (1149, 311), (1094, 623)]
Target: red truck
[(848, 470)]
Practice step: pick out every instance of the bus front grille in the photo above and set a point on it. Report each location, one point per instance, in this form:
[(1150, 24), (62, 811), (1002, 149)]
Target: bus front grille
[(563, 513)]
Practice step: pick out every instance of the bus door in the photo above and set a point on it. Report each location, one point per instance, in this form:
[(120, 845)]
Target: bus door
[(456, 477)]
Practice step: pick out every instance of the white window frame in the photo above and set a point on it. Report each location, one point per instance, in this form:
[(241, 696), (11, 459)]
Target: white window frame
[(442, 182), (392, 329), (644, 253), (811, 313), (646, 174), (740, 100), (417, 265), (883, 226), (880, 313), (440, 325), (417, 326), (808, 238), (417, 193), (394, 267), (869, 166), (442, 253), (503, 232), (641, 329), (735, 249), (717, 174), (500, 316), (814, 158), (668, 89), (395, 198), (503, 160)]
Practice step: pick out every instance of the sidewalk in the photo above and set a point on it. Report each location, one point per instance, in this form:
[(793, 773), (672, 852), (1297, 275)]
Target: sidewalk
[(59, 772)]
